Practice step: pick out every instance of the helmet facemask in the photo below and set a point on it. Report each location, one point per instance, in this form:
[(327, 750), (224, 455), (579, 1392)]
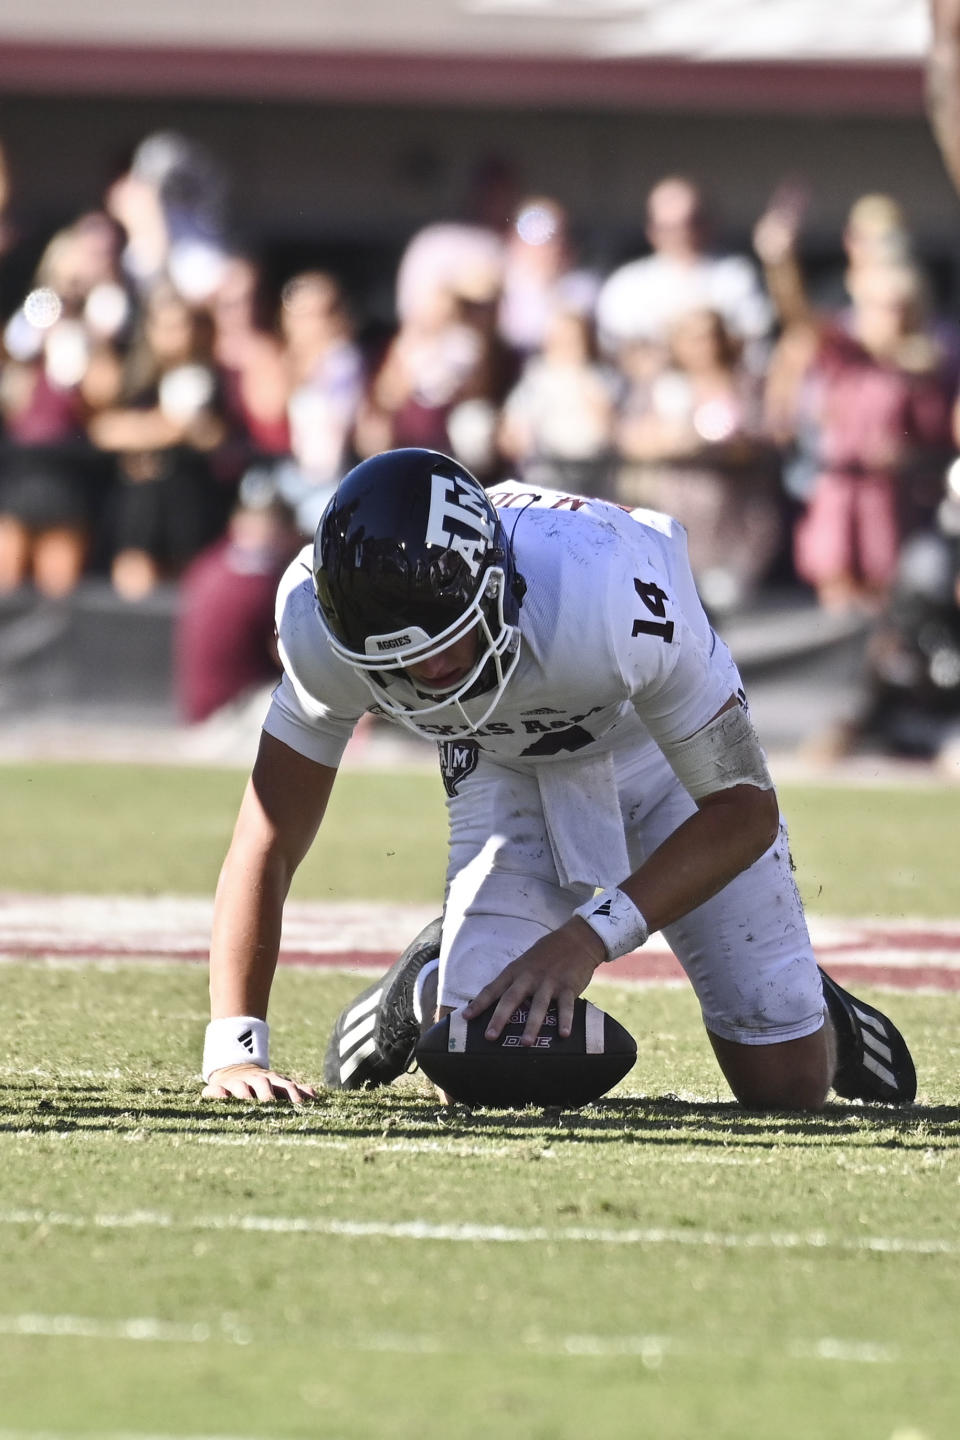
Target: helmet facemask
[(413, 702)]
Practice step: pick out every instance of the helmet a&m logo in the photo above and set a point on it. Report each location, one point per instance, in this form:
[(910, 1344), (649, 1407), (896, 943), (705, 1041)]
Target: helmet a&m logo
[(460, 519)]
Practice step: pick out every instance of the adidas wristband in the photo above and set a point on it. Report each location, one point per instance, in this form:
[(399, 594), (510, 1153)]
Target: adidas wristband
[(236, 1040), (613, 916)]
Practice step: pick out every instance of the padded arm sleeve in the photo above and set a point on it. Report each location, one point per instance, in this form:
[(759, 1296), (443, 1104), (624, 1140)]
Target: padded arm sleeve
[(724, 753)]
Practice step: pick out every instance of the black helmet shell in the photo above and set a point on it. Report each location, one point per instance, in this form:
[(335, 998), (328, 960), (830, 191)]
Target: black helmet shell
[(406, 541)]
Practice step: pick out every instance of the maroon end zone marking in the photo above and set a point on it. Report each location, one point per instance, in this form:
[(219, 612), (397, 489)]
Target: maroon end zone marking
[(660, 968), (906, 940), (652, 967), (895, 977)]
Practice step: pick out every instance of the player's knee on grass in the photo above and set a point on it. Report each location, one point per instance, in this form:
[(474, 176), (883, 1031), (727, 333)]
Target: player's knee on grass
[(766, 1025), (791, 1075)]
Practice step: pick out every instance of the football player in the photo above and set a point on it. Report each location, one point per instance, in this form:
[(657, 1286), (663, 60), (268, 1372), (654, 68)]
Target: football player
[(604, 781)]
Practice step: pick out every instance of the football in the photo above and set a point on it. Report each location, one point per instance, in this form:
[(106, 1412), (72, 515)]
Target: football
[(456, 1056)]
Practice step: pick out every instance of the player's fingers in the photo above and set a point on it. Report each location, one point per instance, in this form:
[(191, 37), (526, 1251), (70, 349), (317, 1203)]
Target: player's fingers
[(487, 995), (262, 1088), (536, 1014), (231, 1090), (293, 1092), (509, 1001), (272, 1086), (565, 1003)]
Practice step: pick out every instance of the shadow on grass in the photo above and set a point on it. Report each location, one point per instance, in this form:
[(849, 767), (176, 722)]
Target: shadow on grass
[(394, 1114)]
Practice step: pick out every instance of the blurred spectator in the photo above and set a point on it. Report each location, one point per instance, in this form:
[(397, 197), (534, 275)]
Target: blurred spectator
[(448, 368), (540, 275), (640, 301), (45, 508), (692, 439), (876, 230), (873, 229), (62, 361), (164, 425), (325, 379), (868, 392), (171, 203), (472, 422), (224, 643), (77, 305), (883, 417), (78, 299), (462, 256), (250, 358), (436, 359), (447, 258), (557, 423), (82, 264)]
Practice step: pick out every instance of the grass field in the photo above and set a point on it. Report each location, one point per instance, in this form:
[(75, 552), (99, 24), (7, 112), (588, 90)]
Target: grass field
[(101, 829), (658, 1265)]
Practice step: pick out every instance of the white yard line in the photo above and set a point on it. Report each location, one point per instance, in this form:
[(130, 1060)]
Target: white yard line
[(650, 1349), (392, 1147), (466, 1233), (456, 1148), (139, 1327), (110, 1435), (639, 1152)]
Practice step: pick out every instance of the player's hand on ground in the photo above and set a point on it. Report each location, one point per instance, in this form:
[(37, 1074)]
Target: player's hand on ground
[(252, 1082), (557, 968)]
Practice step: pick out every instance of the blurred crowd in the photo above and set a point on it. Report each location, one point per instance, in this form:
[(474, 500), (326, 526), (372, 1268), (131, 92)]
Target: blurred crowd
[(171, 412)]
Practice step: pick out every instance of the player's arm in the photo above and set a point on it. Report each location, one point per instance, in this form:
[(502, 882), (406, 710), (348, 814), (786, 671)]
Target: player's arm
[(732, 826), (736, 820), (943, 83), (281, 811)]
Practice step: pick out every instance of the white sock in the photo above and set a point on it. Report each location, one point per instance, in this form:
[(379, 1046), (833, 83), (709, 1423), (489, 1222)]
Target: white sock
[(427, 970)]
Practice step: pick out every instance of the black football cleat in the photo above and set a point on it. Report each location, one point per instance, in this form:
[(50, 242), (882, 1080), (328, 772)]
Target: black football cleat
[(375, 1035), (873, 1061)]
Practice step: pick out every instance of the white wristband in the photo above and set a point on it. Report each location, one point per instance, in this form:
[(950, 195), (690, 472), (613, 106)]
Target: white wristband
[(237, 1040), (614, 917)]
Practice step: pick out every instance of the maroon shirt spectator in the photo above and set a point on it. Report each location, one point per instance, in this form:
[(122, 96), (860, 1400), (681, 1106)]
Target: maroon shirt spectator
[(224, 642), (884, 430)]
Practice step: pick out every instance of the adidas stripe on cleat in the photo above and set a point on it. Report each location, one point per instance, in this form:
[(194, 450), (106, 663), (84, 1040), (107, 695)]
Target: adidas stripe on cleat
[(873, 1061), (374, 1037)]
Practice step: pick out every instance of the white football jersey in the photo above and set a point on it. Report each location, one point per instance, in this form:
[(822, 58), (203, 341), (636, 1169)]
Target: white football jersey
[(615, 648)]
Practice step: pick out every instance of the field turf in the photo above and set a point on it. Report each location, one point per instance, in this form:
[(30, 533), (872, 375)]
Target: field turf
[(661, 1264), (119, 829)]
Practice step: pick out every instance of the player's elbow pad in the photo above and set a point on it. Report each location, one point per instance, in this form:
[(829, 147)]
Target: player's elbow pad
[(725, 753)]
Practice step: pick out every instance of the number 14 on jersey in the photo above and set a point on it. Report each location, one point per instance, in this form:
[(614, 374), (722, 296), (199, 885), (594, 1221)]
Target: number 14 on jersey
[(653, 597)]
